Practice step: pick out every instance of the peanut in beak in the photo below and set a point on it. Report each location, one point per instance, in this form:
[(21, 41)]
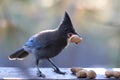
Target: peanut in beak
[(75, 39)]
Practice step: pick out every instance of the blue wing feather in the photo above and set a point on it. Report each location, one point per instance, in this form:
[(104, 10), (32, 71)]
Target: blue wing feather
[(34, 43)]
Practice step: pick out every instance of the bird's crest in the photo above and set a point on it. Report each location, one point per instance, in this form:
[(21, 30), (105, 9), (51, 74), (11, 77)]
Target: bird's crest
[(66, 20), (66, 23)]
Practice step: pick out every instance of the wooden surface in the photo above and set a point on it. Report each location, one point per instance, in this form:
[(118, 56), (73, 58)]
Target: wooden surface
[(21, 73)]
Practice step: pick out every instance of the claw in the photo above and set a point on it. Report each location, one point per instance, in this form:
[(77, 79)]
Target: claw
[(59, 72), (39, 74)]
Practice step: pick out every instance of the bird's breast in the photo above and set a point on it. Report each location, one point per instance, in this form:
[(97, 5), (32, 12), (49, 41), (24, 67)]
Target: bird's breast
[(55, 48)]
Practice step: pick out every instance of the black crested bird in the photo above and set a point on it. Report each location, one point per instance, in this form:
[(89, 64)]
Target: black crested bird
[(47, 44)]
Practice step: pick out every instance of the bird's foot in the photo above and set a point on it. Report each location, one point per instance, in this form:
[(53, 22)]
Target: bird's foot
[(59, 72), (39, 74)]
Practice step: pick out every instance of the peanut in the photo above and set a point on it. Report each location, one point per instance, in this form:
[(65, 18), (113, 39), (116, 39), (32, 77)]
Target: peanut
[(75, 70), (75, 39), (109, 73), (91, 74), (116, 74), (81, 74)]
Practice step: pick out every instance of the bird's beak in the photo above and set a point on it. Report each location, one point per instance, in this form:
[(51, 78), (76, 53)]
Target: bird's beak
[(75, 38)]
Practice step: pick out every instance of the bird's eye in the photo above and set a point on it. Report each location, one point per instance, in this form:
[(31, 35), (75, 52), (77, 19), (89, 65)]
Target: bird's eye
[(69, 34)]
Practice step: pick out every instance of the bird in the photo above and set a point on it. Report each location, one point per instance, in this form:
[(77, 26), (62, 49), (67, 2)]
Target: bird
[(47, 44)]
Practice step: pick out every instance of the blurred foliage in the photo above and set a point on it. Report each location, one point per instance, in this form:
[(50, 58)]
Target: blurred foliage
[(96, 20)]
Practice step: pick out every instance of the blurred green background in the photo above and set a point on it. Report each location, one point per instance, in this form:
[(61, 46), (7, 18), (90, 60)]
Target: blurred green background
[(98, 22)]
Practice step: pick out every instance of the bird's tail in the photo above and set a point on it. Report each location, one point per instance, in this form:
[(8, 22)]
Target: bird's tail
[(18, 55)]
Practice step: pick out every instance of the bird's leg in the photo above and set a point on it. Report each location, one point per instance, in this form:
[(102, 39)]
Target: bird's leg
[(56, 69), (39, 73)]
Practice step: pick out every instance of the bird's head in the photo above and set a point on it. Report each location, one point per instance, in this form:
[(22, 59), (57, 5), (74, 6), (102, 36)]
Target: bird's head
[(66, 27)]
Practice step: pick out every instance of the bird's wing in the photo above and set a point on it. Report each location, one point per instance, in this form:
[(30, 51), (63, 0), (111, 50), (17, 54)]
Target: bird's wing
[(33, 42)]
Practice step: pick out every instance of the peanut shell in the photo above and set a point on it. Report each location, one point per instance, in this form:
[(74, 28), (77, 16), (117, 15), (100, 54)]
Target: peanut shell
[(116, 74), (75, 39), (109, 73), (91, 74), (81, 74)]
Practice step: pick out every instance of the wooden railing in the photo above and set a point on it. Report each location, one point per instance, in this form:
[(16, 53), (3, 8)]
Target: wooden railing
[(30, 73)]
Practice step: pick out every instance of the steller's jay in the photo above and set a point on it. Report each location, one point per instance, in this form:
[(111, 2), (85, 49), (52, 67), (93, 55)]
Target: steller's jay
[(47, 44)]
